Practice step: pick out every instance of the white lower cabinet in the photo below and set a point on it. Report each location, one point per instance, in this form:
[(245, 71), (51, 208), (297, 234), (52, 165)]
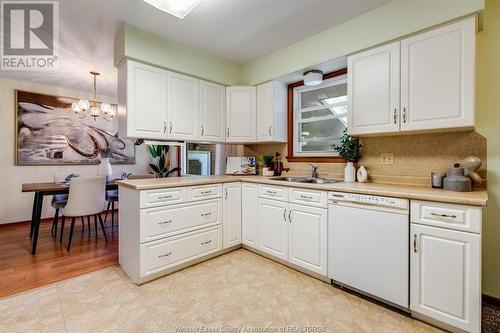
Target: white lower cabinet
[(307, 238), (445, 275), (273, 228), (249, 214), (232, 214), (296, 233)]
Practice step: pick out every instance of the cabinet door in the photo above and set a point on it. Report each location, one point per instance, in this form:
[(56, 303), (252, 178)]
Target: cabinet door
[(273, 228), (182, 107), (240, 114), (445, 268), (437, 78), (265, 112), (142, 101), (249, 215), (212, 111), (373, 91), (232, 214), (307, 238)]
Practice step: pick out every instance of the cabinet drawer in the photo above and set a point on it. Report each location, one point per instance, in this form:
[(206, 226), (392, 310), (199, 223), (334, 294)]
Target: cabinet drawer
[(204, 192), (161, 197), (273, 192), (449, 216), (166, 253), (308, 197), (161, 222)]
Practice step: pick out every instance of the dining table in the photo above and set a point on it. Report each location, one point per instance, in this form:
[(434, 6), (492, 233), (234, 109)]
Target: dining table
[(41, 190)]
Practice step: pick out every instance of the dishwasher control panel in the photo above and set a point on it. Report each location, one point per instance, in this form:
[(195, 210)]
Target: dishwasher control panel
[(368, 200)]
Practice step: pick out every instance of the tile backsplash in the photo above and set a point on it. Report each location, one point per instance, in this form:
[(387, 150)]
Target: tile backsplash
[(415, 156)]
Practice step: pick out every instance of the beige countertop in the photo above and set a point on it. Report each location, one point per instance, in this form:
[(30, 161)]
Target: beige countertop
[(476, 198)]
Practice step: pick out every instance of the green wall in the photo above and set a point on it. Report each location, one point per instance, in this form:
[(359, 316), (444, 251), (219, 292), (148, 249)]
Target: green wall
[(396, 19), (138, 44), (488, 125)]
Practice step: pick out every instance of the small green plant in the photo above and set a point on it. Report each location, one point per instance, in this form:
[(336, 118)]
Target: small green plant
[(160, 167), (266, 160), (349, 148)]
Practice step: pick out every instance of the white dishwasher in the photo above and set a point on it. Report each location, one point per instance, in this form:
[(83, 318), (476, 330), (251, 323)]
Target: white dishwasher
[(368, 245)]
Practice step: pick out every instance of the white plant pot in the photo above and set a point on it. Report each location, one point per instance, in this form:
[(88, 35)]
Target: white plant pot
[(350, 173), (104, 168)]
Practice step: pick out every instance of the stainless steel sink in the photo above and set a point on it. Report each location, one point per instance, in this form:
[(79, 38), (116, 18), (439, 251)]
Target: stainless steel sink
[(304, 180)]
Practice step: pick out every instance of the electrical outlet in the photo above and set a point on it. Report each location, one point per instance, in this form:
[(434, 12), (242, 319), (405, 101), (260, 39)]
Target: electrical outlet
[(387, 158)]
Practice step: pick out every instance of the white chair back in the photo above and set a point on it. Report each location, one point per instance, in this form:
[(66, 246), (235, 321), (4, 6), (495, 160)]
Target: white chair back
[(86, 196)]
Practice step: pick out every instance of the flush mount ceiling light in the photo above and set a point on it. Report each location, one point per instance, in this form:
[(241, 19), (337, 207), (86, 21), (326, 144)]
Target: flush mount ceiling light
[(313, 77), (177, 8)]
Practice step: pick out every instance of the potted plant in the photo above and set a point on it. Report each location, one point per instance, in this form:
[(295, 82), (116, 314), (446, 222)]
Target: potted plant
[(349, 149), (160, 167), (267, 164)]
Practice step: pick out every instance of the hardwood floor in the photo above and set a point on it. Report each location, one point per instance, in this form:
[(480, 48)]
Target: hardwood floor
[(20, 271)]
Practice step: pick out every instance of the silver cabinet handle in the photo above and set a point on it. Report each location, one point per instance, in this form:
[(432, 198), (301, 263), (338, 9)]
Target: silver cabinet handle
[(227, 131), (164, 255), (207, 242), (202, 130), (305, 197), (225, 192), (206, 192), (206, 214), (404, 115), (395, 116), (270, 130), (271, 192), (165, 222), (290, 216), (284, 215), (165, 197), (444, 215), (164, 127), (415, 243), (170, 130)]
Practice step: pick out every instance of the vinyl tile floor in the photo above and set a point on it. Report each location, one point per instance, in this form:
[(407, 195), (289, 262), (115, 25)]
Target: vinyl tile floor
[(234, 291)]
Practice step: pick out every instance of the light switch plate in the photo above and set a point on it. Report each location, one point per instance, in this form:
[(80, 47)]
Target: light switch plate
[(387, 158)]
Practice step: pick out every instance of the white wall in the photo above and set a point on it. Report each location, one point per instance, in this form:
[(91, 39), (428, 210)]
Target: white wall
[(15, 205)]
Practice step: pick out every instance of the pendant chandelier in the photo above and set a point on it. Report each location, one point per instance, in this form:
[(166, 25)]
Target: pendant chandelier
[(86, 108)]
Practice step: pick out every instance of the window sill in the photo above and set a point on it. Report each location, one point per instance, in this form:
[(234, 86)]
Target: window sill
[(316, 159)]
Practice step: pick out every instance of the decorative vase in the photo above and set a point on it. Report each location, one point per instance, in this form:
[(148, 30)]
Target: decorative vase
[(104, 168), (362, 174), (350, 173)]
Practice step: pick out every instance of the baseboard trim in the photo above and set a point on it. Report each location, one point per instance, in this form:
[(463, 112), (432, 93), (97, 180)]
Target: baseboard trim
[(492, 300)]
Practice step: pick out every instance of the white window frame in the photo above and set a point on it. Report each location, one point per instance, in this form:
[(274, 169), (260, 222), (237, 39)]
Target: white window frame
[(297, 111)]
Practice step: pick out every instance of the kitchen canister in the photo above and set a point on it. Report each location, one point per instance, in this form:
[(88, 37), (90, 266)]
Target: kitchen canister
[(437, 179), (362, 174), (456, 180)]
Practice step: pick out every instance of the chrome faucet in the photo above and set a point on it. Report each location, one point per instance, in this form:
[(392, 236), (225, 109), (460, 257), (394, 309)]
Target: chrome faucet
[(314, 170)]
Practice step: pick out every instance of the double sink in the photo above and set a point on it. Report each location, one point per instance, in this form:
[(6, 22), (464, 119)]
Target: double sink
[(304, 180)]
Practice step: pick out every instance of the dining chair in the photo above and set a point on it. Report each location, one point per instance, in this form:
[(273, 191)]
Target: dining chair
[(85, 199), (58, 201), (112, 197)]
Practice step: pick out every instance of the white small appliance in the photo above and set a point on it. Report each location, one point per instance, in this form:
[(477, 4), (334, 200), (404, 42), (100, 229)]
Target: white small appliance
[(368, 245)]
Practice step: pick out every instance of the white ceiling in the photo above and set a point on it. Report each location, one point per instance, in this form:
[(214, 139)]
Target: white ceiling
[(237, 30)]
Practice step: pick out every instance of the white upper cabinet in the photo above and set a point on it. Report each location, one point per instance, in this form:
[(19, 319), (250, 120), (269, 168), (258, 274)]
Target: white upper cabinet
[(142, 101), (373, 91), (422, 83), (240, 114), (272, 112), (182, 107), (437, 78), (445, 281), (211, 111)]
